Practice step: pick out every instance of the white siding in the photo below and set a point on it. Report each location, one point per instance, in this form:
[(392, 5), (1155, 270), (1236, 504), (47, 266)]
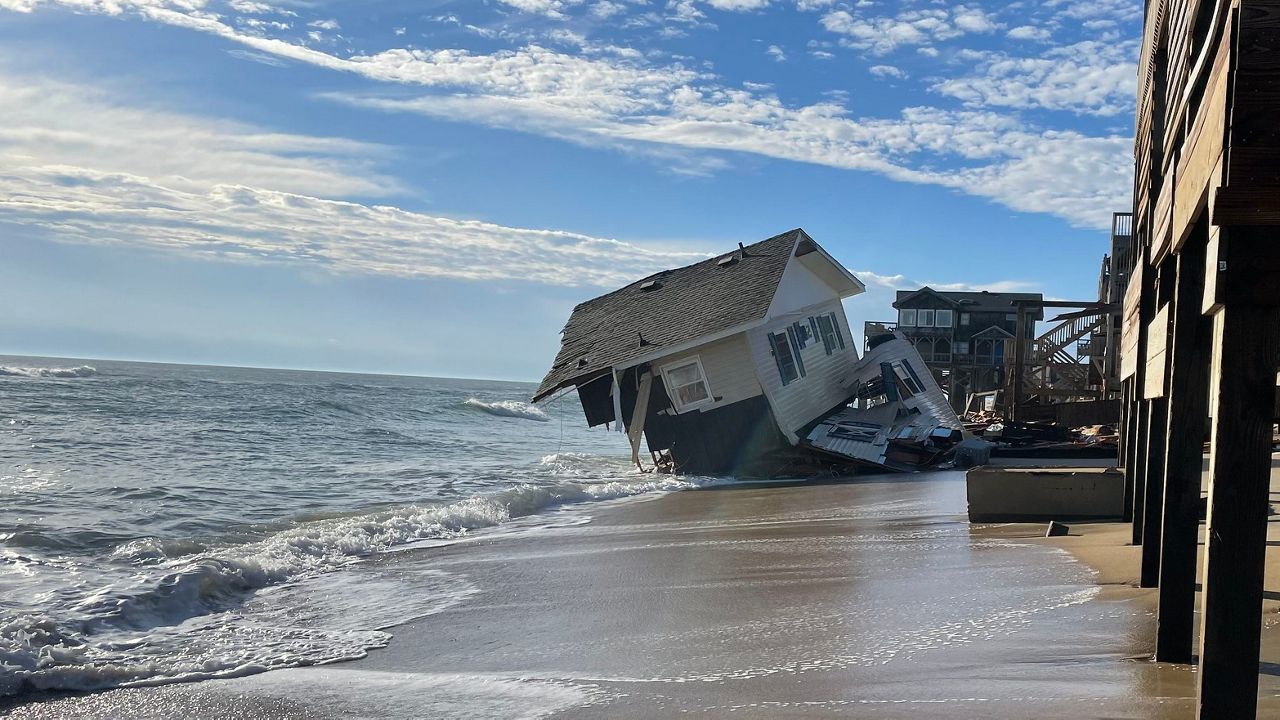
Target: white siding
[(802, 400), (729, 367), (799, 288)]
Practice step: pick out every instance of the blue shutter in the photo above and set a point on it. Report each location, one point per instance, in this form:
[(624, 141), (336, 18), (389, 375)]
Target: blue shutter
[(795, 345)]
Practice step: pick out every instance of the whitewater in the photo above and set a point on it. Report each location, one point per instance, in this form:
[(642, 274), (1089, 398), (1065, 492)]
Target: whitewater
[(163, 523)]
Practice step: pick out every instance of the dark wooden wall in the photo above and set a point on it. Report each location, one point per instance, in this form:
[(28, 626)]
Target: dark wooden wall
[(1201, 334)]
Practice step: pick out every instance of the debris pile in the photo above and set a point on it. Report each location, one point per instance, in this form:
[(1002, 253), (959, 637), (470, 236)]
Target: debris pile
[(1041, 439)]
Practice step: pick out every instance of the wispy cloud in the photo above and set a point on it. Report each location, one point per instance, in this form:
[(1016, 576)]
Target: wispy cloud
[(1089, 77), (622, 100), (80, 167)]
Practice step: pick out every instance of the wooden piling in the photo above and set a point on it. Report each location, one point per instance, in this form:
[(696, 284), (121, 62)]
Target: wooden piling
[(1188, 410), (1153, 484), (1242, 405)]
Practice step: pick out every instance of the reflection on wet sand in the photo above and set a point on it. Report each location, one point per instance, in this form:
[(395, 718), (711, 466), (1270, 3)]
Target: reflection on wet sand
[(874, 598)]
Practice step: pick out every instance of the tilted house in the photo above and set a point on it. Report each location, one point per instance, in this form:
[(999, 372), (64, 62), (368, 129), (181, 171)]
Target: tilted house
[(717, 363)]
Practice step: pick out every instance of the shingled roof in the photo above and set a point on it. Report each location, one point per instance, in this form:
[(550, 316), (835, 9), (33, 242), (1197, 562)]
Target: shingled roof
[(670, 308), (977, 300)]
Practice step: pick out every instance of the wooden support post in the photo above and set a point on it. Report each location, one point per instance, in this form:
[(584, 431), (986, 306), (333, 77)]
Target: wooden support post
[(1139, 468), (1142, 434), (1131, 445), (1247, 340), (1188, 409), (1153, 481), (1019, 363)]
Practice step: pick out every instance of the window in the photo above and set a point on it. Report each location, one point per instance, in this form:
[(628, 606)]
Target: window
[(907, 318), (802, 334), (924, 318), (835, 328), (829, 330), (944, 318), (962, 346), (687, 384), (786, 353), (964, 319), (1011, 317)]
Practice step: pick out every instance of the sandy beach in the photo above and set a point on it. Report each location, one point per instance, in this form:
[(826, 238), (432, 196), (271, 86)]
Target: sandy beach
[(873, 598)]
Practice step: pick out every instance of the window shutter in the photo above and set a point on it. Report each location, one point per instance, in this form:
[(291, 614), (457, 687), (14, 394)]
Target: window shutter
[(791, 333), (835, 328)]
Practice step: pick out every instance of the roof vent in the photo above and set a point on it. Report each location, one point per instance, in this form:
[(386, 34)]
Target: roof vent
[(727, 260), (582, 362), (643, 342), (742, 250), (649, 285)]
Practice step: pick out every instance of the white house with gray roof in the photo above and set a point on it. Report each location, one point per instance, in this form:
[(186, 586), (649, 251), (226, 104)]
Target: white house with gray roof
[(718, 363)]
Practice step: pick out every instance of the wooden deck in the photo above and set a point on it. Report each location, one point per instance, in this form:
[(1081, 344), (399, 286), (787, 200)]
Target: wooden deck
[(1201, 336)]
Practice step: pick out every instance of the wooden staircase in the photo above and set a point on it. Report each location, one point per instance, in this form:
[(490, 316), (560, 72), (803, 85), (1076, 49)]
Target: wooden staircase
[(1051, 370)]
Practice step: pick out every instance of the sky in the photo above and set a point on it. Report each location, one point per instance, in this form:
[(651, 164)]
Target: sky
[(429, 187)]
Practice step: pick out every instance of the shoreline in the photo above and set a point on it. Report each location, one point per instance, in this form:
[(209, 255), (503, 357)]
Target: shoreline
[(873, 595), (1106, 549)]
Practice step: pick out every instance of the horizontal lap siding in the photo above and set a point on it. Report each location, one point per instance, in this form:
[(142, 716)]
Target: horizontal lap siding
[(728, 364), (801, 401)]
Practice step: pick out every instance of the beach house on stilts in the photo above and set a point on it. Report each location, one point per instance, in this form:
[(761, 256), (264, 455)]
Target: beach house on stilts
[(730, 364)]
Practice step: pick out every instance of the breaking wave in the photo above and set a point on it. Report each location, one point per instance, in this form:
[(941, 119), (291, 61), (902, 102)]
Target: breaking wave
[(509, 408), (189, 612), (39, 372)]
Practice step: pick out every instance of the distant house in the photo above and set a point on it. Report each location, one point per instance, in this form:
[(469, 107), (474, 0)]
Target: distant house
[(718, 363), (962, 336)]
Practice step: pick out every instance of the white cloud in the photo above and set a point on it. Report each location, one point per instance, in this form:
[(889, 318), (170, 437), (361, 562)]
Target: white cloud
[(888, 71), (324, 24), (80, 167), (550, 8), (882, 34), (813, 5), (52, 123), (1029, 32), (605, 9), (244, 224), (1090, 77), (625, 102), (776, 53), (738, 5)]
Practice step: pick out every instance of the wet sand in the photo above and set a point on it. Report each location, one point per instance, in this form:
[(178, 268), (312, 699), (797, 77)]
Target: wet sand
[(1105, 548), (872, 599)]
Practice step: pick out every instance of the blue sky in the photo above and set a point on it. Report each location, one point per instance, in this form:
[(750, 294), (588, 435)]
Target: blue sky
[(429, 187)]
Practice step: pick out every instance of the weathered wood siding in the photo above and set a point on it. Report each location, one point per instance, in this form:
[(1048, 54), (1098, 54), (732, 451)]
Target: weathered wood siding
[(730, 370), (802, 400)]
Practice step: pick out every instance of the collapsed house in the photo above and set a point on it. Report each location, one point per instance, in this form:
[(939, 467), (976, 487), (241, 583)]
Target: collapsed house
[(729, 363)]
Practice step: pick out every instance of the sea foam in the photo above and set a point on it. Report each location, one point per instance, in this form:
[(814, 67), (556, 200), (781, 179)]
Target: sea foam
[(41, 372), (509, 408), (191, 613)]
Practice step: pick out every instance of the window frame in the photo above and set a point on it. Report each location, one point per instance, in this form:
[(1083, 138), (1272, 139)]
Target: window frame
[(937, 318), (829, 329), (920, 315), (673, 391), (785, 338), (903, 314)]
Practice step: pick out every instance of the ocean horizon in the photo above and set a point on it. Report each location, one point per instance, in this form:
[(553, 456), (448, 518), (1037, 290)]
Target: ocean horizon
[(167, 522)]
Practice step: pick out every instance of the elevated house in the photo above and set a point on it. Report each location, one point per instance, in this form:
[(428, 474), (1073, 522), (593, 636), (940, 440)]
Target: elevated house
[(963, 337), (719, 365)]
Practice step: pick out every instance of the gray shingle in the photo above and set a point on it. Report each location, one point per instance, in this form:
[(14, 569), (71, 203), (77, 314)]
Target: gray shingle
[(683, 304)]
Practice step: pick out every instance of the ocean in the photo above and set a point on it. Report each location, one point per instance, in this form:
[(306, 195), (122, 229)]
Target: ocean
[(164, 523)]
